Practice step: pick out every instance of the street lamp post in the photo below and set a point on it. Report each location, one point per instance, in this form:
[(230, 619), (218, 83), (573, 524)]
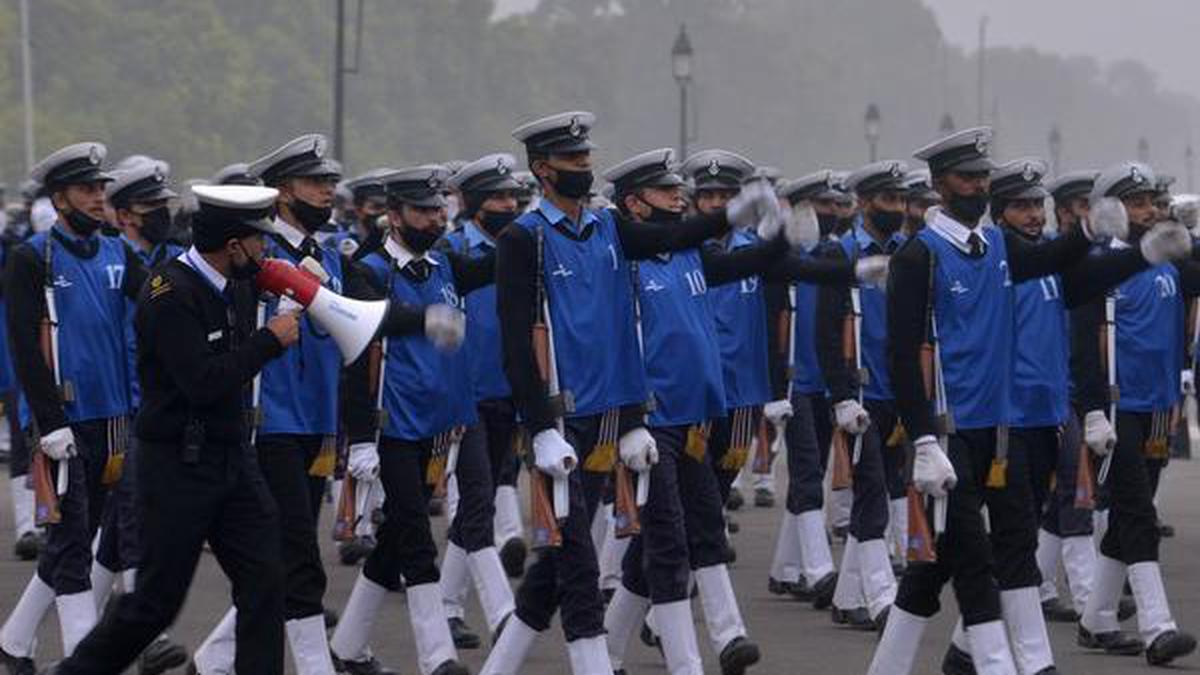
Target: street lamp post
[(681, 68), (1055, 143), (1143, 150), (947, 125), (1189, 159), (871, 128)]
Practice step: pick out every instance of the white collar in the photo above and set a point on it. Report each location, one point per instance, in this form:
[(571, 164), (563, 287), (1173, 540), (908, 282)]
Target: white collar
[(290, 233), (953, 231), (402, 255), (1115, 243), (194, 260)]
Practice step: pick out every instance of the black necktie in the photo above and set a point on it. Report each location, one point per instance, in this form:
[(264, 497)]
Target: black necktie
[(310, 248), (419, 269), (976, 244)]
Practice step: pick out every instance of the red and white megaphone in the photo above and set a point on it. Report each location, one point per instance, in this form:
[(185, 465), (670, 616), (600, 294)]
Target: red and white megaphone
[(351, 323)]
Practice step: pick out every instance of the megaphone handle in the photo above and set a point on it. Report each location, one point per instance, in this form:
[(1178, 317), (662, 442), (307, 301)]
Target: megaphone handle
[(562, 497), (643, 488)]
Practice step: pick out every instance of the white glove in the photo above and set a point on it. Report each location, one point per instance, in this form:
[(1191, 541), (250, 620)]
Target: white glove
[(1185, 209), (638, 450), (309, 264), (933, 474), (872, 270), (59, 444), (445, 327), (1166, 241), (852, 418), (1107, 219), (1098, 433), (800, 226), (553, 455), (777, 412), (1187, 382), (755, 201), (770, 225), (363, 462)]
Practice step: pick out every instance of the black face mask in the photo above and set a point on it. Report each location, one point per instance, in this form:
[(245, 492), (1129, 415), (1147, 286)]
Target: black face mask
[(156, 225), (844, 224), (827, 223), (915, 223), (311, 217), (420, 241), (493, 222), (246, 270), (83, 224), (664, 215), (573, 184), (968, 208), (887, 222)]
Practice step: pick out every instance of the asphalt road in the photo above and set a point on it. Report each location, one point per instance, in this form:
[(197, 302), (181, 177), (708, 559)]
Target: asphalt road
[(794, 638)]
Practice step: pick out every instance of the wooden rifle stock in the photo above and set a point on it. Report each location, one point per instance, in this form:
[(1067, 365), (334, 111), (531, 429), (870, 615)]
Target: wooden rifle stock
[(843, 470), (546, 533), (762, 448), (1085, 480), (920, 536), (625, 509), (346, 519), (45, 496)]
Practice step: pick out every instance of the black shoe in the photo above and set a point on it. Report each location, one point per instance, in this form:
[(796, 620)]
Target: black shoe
[(355, 551), (822, 591), (856, 617), (1057, 611), (28, 546), (763, 498), (880, 621), (437, 507), (957, 662), (1126, 608), (1113, 642), (1048, 670), (512, 557), (368, 666), (1170, 646), (739, 655), (463, 637), (160, 656), (451, 667), (648, 637), (1166, 531), (735, 500), (777, 587), (331, 618), (732, 525), (17, 665)]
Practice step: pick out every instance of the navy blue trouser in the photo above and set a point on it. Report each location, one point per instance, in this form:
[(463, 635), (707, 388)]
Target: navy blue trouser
[(808, 434), (1060, 516), (1012, 509), (568, 577), (472, 528), (719, 439), (869, 513), (222, 499), (284, 460), (404, 542), (1132, 535), (65, 563), (118, 549), (964, 551)]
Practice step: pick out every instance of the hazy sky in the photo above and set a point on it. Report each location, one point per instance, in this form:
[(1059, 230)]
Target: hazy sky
[(1160, 33)]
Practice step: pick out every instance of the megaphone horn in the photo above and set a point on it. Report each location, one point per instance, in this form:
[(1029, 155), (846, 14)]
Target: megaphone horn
[(351, 323)]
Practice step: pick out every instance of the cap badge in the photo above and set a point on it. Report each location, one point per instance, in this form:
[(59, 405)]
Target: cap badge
[(318, 148), (433, 182), (158, 175), (714, 167), (1136, 175), (94, 155), (1028, 174), (575, 129), (895, 170), (981, 144), (501, 167)]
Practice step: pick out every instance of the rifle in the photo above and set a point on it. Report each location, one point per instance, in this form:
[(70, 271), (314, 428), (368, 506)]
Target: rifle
[(1108, 337), (786, 328), (935, 388), (1085, 486), (47, 491)]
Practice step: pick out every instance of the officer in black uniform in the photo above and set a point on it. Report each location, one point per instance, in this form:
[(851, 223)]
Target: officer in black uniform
[(198, 480)]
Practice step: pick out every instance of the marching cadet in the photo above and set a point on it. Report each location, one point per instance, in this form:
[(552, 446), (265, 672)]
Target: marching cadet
[(237, 173), (1148, 311), (952, 283), (860, 388), (921, 197), (139, 197), (1065, 535), (195, 479), (683, 369), (1040, 418), (368, 204), (74, 283), (425, 388), (294, 438), (803, 563), (489, 203), (574, 264)]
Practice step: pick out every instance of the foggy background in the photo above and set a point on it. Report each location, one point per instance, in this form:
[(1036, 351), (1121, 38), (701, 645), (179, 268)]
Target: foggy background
[(202, 83)]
